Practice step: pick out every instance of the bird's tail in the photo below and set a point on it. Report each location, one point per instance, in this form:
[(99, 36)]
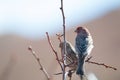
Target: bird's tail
[(80, 69), (83, 77)]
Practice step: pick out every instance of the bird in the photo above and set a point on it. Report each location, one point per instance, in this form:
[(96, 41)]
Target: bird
[(71, 59), (83, 47)]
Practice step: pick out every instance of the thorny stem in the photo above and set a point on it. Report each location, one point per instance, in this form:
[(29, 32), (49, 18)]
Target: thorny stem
[(63, 54), (39, 63)]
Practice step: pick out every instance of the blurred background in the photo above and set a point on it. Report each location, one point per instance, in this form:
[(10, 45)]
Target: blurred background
[(24, 23)]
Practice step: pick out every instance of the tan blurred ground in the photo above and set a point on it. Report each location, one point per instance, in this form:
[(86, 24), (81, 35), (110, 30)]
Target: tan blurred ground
[(17, 63)]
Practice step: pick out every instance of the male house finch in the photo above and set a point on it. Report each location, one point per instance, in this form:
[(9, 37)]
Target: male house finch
[(83, 46), (71, 58)]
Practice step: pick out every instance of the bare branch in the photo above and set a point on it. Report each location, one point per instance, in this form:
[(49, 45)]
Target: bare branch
[(57, 58), (62, 10), (63, 54), (38, 60), (102, 64)]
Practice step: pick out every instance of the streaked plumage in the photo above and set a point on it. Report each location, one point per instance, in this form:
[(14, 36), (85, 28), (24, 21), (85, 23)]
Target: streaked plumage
[(71, 57)]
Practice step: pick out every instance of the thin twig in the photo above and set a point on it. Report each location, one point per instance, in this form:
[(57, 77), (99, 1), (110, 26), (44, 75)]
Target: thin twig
[(59, 37), (102, 64), (63, 54), (38, 60), (60, 41), (57, 58)]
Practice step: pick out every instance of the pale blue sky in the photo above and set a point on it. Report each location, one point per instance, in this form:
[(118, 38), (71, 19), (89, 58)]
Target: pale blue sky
[(32, 18)]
